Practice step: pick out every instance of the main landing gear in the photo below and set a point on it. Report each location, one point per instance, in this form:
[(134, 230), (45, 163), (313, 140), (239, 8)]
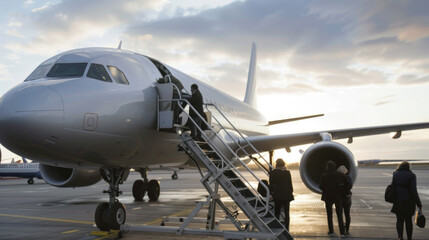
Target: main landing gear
[(174, 176), (140, 187), (30, 181), (112, 215)]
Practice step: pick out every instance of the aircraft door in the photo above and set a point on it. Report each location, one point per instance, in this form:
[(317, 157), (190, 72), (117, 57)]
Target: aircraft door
[(165, 112)]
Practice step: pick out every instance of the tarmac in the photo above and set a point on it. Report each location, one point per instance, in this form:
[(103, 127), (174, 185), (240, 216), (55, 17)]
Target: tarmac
[(40, 211)]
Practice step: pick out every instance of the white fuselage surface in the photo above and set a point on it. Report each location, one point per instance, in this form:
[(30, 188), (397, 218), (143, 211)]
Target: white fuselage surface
[(66, 119)]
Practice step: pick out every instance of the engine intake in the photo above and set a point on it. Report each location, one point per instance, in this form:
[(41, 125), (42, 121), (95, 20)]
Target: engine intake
[(313, 162), (69, 177)]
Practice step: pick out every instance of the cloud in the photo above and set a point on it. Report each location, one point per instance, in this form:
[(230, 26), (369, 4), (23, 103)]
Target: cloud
[(320, 43), (14, 33), (14, 24), (295, 88), (384, 100), (412, 79), (28, 3), (4, 73), (61, 25), (318, 39)]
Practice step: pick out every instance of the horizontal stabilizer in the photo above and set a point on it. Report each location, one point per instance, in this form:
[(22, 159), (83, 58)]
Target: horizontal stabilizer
[(293, 119)]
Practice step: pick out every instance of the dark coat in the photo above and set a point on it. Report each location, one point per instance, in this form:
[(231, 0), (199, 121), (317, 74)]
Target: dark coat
[(347, 194), (196, 101), (333, 185), (349, 184), (406, 192), (281, 185)]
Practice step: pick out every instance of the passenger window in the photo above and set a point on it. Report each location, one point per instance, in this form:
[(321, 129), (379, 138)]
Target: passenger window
[(64, 70), (39, 72), (118, 75), (97, 71)]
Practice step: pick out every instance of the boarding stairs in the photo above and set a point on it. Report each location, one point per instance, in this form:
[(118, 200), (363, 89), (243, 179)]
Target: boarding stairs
[(222, 163), (227, 169)]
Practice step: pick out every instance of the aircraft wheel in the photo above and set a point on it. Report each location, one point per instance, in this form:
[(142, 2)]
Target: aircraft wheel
[(153, 190), (101, 214), (30, 181), (139, 189), (117, 215), (174, 176)]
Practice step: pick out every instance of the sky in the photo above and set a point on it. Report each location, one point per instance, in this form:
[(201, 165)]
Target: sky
[(361, 63)]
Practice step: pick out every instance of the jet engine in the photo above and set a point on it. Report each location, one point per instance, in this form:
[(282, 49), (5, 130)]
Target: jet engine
[(69, 177), (314, 159)]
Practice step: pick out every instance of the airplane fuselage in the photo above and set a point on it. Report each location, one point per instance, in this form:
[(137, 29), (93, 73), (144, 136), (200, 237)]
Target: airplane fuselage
[(82, 121), (23, 170)]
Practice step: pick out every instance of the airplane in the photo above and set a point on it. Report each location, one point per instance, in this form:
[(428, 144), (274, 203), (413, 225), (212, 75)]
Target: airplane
[(92, 113), (22, 170)]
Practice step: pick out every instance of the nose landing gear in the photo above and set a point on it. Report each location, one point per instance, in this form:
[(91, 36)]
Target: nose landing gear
[(112, 215)]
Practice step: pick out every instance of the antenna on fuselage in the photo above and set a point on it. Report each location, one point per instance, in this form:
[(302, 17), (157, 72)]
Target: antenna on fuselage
[(120, 45)]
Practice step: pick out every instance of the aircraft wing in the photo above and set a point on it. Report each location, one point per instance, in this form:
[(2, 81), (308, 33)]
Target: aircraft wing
[(272, 142)]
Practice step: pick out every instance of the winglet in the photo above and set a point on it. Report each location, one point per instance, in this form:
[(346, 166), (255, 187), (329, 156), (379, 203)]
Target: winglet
[(250, 97), (120, 45)]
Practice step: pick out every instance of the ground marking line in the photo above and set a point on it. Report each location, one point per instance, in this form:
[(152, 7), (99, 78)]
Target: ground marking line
[(71, 231), (46, 219), (115, 234), (364, 202)]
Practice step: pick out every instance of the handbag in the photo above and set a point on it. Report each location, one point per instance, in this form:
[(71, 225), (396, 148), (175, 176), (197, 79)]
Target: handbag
[(390, 193), (420, 219)]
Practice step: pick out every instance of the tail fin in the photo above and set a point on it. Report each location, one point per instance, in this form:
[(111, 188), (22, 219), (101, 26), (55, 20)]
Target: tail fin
[(250, 97)]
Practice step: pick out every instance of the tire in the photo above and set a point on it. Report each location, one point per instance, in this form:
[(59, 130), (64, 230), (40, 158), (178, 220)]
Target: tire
[(139, 190), (101, 216), (153, 190), (174, 176), (117, 215), (30, 181)]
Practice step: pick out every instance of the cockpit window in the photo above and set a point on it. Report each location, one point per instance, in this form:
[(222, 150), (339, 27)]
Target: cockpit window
[(39, 72), (118, 75), (97, 71), (65, 70)]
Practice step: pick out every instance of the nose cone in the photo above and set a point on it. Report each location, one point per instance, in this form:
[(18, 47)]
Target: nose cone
[(32, 98), (31, 118)]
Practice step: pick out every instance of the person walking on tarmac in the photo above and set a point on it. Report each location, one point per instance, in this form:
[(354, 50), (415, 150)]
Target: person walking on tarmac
[(332, 184), (281, 190), (407, 198), (196, 101), (346, 196)]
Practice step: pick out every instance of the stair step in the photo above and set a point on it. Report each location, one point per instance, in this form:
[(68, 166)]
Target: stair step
[(237, 183), (260, 209), (212, 155), (268, 220), (278, 231), (275, 224), (200, 143), (230, 174), (246, 192)]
